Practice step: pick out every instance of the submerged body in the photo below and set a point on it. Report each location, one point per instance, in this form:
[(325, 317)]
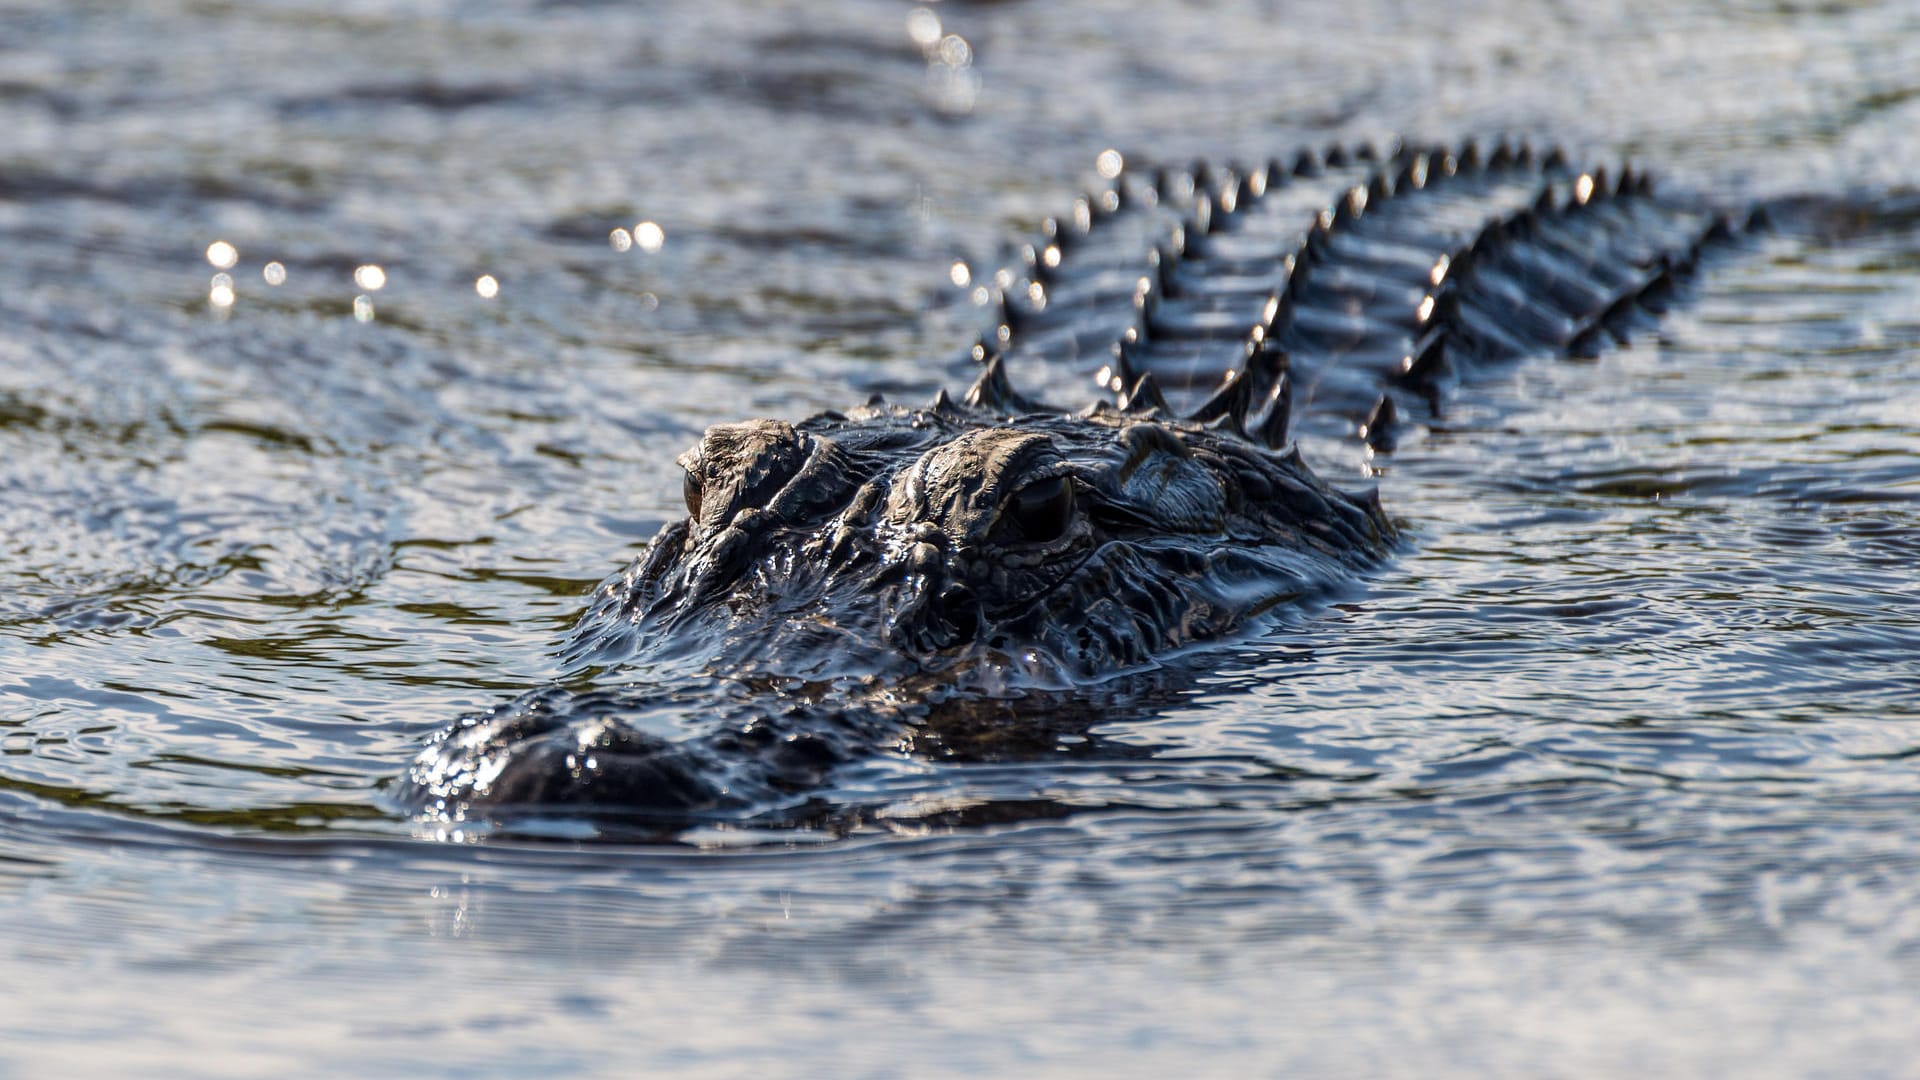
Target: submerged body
[(881, 577)]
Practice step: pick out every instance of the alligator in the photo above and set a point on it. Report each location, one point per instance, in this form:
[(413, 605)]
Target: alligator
[(888, 579)]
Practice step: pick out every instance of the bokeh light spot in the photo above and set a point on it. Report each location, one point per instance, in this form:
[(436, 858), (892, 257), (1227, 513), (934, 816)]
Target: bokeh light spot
[(923, 26)]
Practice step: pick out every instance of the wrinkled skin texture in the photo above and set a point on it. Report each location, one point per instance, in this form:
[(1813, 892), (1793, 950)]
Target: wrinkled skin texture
[(843, 576), (948, 537)]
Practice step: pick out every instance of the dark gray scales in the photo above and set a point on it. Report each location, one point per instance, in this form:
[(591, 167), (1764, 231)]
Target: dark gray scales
[(1358, 276), (894, 577)]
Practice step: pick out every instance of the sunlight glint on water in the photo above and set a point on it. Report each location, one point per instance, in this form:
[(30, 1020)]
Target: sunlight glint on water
[(1609, 771)]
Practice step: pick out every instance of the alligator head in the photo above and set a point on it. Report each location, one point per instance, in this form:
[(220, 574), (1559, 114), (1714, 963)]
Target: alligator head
[(890, 541)]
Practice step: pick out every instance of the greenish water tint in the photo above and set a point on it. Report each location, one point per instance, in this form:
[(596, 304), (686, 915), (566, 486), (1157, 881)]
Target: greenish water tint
[(1611, 770)]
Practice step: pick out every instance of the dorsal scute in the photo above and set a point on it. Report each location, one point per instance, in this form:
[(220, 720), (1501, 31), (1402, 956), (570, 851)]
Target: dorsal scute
[(994, 391), (1143, 396), (1335, 276)]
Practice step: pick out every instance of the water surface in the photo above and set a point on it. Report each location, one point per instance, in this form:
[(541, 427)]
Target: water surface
[(1610, 770)]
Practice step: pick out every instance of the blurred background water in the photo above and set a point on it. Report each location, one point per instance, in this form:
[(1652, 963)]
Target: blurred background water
[(343, 346)]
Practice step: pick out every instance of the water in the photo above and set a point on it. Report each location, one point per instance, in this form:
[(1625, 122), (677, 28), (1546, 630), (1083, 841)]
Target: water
[(1610, 770)]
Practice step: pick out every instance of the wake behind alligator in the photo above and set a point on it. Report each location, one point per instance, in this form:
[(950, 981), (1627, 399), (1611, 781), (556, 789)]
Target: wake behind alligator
[(970, 578)]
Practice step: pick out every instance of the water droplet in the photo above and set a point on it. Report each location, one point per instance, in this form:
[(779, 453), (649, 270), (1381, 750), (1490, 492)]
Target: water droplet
[(621, 239), (960, 275), (363, 309), (222, 254), (370, 277), (487, 286), (1109, 163), (275, 273), (649, 236)]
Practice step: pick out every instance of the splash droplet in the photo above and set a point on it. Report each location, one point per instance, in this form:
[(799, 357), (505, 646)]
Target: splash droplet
[(222, 254), (370, 277), (487, 286), (275, 273)]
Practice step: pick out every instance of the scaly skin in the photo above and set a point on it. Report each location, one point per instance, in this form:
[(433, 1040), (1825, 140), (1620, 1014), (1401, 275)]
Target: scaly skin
[(883, 577)]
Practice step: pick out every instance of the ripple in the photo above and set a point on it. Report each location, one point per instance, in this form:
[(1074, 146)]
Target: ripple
[(1614, 761)]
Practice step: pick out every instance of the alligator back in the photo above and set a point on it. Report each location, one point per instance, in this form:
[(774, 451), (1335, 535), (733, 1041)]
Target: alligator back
[(1350, 284)]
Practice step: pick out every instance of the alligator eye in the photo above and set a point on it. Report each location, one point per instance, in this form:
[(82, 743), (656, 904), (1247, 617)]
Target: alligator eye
[(1043, 509), (690, 487)]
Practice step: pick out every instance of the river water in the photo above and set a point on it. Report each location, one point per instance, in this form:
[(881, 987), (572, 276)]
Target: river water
[(1611, 769)]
